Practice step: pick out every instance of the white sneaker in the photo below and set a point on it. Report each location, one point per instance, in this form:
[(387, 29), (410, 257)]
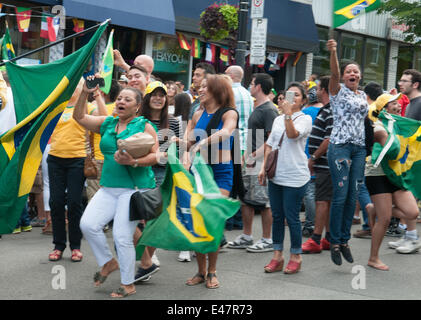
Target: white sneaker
[(410, 246), (240, 243), (155, 260), (184, 256), (397, 244), (261, 246)]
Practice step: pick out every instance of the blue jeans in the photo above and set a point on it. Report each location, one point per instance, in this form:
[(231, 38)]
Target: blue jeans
[(346, 163), (24, 220), (285, 202), (364, 199), (310, 204)]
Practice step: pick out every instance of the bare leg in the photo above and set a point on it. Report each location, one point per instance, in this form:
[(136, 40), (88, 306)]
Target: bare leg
[(247, 213), (406, 207), (266, 223), (383, 208), (322, 216)]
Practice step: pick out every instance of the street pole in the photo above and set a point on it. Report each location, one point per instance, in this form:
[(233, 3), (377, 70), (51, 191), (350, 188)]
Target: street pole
[(240, 52)]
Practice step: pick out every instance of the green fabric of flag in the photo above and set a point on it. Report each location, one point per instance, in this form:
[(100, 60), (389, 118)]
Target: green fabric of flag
[(108, 64), (194, 211), (400, 157), (7, 50), (42, 91), (346, 10)]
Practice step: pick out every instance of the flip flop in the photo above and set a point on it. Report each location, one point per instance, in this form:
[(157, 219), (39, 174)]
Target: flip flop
[(201, 277), (122, 293), (210, 277), (98, 277), (56, 255)]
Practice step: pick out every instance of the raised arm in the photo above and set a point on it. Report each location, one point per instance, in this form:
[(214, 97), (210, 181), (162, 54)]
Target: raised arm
[(335, 72), (92, 123)]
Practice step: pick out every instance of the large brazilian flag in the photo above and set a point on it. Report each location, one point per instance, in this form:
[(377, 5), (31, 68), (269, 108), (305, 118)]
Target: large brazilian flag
[(40, 93), (194, 210), (400, 157), (346, 10)]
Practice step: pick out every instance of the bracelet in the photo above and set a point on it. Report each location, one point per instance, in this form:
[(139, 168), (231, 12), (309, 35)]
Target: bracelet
[(288, 117), (135, 164)]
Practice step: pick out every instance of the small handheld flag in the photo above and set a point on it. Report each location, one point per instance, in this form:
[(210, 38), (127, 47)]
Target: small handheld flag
[(107, 65)]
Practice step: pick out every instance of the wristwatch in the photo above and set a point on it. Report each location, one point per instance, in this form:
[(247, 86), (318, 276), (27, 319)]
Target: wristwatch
[(288, 117), (313, 157)]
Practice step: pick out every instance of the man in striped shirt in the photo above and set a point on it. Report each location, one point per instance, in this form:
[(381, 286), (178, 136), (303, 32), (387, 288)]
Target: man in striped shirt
[(317, 144), (243, 102)]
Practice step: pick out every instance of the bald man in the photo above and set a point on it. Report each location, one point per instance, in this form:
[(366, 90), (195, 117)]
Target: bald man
[(142, 60), (243, 102)]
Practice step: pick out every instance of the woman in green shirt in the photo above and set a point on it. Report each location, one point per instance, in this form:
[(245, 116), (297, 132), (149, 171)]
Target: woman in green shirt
[(111, 202)]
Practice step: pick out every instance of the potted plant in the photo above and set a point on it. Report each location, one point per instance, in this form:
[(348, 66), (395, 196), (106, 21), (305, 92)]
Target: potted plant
[(219, 21)]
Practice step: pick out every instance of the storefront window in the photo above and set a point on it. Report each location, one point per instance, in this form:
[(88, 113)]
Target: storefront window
[(417, 60), (375, 61), (321, 59), (351, 48), (171, 62)]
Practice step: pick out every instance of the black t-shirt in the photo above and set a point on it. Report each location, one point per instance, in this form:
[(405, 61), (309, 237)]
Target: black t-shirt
[(413, 110), (260, 124)]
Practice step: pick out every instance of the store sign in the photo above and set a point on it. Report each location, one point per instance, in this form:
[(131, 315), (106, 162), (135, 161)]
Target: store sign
[(258, 41), (169, 57), (163, 56), (257, 9), (396, 31)]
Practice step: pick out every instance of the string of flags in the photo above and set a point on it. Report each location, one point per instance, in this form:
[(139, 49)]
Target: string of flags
[(277, 60), (49, 23)]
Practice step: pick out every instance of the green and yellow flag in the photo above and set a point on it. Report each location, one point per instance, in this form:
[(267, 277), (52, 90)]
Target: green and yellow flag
[(41, 92), (400, 157), (194, 211), (7, 50), (346, 10), (107, 65)]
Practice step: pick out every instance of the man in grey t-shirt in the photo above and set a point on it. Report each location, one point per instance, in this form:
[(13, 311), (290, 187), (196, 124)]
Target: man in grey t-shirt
[(410, 85), (256, 197)]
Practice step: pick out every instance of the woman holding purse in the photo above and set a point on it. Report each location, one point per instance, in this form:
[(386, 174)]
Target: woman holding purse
[(290, 178), (120, 172)]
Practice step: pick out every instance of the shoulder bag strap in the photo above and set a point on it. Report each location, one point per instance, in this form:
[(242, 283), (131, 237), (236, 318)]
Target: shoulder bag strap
[(282, 137)]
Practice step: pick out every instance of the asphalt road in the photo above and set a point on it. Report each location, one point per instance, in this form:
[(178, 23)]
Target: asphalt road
[(27, 274)]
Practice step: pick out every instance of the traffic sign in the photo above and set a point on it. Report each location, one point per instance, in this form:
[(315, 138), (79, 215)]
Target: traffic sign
[(258, 41)]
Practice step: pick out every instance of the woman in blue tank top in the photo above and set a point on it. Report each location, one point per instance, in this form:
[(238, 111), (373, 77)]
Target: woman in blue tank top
[(215, 95)]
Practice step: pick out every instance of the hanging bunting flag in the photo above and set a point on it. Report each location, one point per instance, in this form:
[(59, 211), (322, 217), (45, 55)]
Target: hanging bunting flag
[(284, 61), (44, 26), (273, 57), (224, 54), (53, 26), (210, 52), (297, 58), (79, 25), (196, 48), (183, 41), (23, 16)]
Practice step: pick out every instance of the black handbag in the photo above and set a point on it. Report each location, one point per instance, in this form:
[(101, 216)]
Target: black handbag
[(145, 205)]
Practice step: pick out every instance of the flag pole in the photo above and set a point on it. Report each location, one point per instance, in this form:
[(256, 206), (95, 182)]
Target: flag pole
[(55, 43)]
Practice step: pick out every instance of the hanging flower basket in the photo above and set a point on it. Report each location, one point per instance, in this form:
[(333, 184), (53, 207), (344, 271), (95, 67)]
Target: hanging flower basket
[(218, 22)]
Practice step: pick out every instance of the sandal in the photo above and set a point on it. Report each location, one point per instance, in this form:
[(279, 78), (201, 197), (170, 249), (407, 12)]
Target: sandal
[(98, 277), (56, 255), (121, 293), (274, 265), (77, 256), (292, 267), (199, 276), (209, 281)]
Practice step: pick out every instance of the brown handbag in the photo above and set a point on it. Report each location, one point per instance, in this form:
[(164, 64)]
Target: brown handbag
[(90, 169), (272, 159)]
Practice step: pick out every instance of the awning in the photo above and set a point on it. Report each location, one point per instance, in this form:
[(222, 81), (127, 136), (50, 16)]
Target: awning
[(291, 24), (156, 15)]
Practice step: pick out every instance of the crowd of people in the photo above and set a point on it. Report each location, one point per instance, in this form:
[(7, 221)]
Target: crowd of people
[(310, 144)]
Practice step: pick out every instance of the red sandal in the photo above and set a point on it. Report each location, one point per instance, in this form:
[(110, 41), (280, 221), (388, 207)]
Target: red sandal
[(56, 255), (274, 266), (292, 267), (77, 256)]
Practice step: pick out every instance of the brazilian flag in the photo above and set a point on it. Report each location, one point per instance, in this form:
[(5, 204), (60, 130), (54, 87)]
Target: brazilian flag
[(400, 157), (346, 10), (194, 210), (40, 93)]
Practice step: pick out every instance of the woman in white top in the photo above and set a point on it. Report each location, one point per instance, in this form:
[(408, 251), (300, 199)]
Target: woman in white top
[(288, 186)]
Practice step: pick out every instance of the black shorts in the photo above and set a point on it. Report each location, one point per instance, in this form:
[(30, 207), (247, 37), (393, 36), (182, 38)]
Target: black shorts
[(379, 184), (324, 190)]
